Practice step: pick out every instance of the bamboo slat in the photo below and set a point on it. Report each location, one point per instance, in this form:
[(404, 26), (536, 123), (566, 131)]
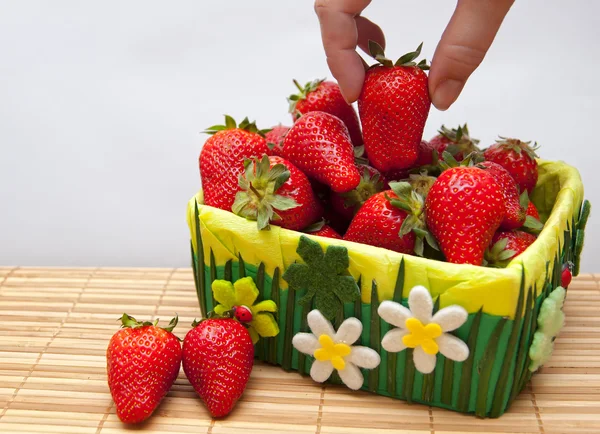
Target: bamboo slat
[(55, 324)]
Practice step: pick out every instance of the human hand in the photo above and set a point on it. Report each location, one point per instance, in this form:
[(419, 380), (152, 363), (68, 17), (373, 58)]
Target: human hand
[(463, 45)]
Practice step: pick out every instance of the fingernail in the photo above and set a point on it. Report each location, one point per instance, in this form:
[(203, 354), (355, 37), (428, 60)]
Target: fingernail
[(446, 93)]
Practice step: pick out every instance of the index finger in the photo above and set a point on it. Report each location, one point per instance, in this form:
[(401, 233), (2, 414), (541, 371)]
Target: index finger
[(340, 37)]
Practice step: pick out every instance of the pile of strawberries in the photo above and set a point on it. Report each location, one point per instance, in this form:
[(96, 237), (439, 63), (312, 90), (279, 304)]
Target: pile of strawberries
[(384, 185)]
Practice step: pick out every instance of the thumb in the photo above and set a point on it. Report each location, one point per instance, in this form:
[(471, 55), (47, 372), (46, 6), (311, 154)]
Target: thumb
[(463, 46)]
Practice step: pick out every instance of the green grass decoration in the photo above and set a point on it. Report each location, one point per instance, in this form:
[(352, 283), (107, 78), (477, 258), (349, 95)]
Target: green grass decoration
[(392, 358), (485, 367), (502, 386), (303, 328), (532, 330), (241, 267), (409, 376), (358, 309), (523, 345), (447, 381), (467, 366), (199, 292), (227, 273), (428, 386), (399, 287), (375, 336), (213, 277), (276, 299), (289, 330), (199, 263), (584, 215), (261, 345)]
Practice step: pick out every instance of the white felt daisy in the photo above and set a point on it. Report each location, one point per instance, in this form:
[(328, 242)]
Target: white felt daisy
[(426, 333), (334, 350)]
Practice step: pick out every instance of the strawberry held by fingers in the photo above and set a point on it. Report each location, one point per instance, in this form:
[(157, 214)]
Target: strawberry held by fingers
[(519, 158), (218, 355), (275, 191), (393, 106), (222, 159), (464, 208), (143, 361), (319, 145), (325, 96)]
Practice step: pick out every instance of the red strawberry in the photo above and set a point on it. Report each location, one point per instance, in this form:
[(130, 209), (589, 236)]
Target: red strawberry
[(427, 154), (532, 211), (322, 230), (143, 361), (222, 159), (567, 275), (393, 106), (519, 158), (507, 245), (275, 138), (275, 191), (347, 204), (456, 141), (393, 220), (325, 96), (515, 213), (217, 360), (464, 208), (338, 222), (319, 145)]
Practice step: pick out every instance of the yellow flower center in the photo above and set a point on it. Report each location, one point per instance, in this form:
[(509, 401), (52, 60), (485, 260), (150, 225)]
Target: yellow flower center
[(423, 335), (333, 352)]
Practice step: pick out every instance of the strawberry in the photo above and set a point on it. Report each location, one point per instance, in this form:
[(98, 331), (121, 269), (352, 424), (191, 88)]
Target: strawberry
[(464, 208), (567, 275), (319, 145), (393, 106), (338, 222), (217, 360), (393, 220), (222, 159), (507, 245), (143, 361), (519, 158), (325, 96), (347, 204), (322, 230), (275, 138), (532, 211), (515, 213), (275, 191), (456, 141)]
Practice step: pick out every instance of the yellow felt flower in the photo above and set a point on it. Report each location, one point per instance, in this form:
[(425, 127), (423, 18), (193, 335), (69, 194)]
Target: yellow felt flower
[(330, 351), (244, 293), (422, 335)]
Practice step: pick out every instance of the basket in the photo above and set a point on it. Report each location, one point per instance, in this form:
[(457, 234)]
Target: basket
[(503, 305)]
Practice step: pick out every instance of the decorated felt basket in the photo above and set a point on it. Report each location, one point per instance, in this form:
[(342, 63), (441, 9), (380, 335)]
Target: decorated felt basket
[(461, 337)]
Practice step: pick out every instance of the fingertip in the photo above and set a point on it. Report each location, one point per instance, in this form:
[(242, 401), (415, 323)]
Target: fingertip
[(446, 93)]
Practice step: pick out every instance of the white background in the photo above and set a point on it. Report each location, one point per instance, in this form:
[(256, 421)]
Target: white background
[(102, 104)]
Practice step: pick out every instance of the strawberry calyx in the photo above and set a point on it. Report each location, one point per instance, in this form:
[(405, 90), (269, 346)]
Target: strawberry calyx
[(531, 225), (303, 92), (448, 161), (408, 59), (460, 140), (518, 146), (315, 227), (127, 321), (230, 124), (359, 155), (370, 184), (421, 182), (228, 314), (412, 203), (258, 200), (498, 256)]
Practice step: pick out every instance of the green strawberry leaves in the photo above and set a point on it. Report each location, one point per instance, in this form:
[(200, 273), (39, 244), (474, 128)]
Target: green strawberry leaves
[(408, 59), (230, 124), (302, 93), (324, 276), (127, 321)]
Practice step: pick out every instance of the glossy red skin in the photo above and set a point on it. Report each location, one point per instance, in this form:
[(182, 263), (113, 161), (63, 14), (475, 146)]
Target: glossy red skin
[(464, 208), (393, 107), (515, 215), (521, 166), (327, 232), (363, 191), (142, 365), (297, 187), (328, 98), (319, 145), (218, 355), (532, 211), (378, 223), (222, 161), (566, 278), (275, 136), (425, 152), (338, 222), (518, 241), (440, 143)]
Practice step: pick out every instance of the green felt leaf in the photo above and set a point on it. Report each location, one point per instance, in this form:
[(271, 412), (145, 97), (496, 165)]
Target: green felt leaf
[(336, 259), (328, 304), (346, 289), (310, 251)]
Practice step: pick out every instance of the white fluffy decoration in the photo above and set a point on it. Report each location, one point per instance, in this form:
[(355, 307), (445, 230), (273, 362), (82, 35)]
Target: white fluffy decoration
[(421, 307), (348, 333)]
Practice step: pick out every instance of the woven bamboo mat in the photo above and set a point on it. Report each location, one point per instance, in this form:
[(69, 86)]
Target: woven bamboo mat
[(55, 325)]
